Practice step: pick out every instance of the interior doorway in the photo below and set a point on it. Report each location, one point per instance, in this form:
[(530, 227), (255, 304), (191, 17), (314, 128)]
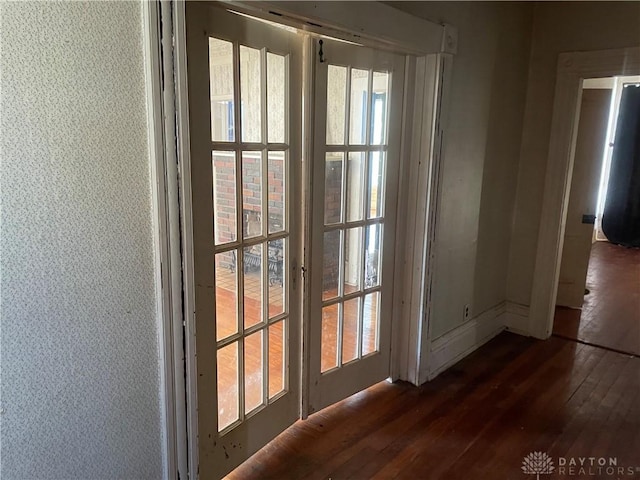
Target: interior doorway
[(573, 67), (268, 272), (598, 295)]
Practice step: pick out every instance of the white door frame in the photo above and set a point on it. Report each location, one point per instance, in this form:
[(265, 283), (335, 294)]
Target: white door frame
[(427, 90), (166, 236), (171, 173), (572, 69)]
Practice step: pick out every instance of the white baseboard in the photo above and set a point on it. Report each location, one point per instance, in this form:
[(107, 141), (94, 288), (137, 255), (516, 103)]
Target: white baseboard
[(460, 342), (517, 319)]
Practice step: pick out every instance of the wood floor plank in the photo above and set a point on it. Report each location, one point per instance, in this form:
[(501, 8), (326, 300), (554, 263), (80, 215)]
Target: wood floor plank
[(512, 430), (470, 419), (477, 420), (610, 315), (537, 427)]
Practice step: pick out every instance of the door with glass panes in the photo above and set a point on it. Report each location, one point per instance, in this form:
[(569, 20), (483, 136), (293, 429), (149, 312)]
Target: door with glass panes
[(245, 119), (358, 101)]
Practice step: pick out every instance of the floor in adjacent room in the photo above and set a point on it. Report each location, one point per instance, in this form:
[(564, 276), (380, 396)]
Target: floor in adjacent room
[(610, 315), (477, 420)]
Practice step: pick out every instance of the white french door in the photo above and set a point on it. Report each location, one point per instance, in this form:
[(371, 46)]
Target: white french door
[(245, 126), (357, 128), (245, 121)]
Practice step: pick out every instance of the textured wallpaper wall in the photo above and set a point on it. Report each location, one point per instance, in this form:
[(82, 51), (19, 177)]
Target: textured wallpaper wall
[(79, 354)]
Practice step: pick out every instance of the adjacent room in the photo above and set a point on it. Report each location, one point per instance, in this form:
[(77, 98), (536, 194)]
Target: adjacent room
[(597, 295)]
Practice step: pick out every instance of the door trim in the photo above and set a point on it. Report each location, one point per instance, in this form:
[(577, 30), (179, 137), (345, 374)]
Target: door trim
[(178, 19), (572, 69), (166, 235), (308, 88), (370, 23)]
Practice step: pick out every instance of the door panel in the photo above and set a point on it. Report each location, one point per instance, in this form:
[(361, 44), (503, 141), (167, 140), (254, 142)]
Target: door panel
[(587, 165), (245, 117), (357, 124)]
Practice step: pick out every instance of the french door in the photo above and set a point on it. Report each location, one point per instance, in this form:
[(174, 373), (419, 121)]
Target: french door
[(245, 120), (357, 127), (245, 127)]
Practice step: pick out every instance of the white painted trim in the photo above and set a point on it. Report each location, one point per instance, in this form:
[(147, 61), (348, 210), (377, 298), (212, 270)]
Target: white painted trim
[(606, 83), (453, 346), (417, 169), (517, 318), (400, 331), (441, 112), (449, 39), (308, 86), (572, 69), (173, 215), (184, 169), (431, 76), (370, 23), (162, 260)]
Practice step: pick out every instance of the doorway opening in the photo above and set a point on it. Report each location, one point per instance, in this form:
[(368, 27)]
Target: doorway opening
[(598, 295), (296, 159), (573, 67)]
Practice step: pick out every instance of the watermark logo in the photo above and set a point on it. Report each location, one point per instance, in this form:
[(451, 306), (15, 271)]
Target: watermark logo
[(537, 463), (540, 463)]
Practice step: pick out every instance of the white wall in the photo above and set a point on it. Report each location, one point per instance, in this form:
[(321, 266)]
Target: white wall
[(80, 369), (481, 154), (558, 27)]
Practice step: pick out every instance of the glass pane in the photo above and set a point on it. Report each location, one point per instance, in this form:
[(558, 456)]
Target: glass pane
[(331, 264), (228, 395), (221, 90), (226, 295), (375, 185), (351, 311), (277, 358), (358, 106), (329, 345), (252, 285), (336, 104), (276, 277), (333, 187), (276, 181), (352, 259), (251, 194), (370, 323), (250, 110), (276, 82), (379, 108), (372, 244), (355, 186), (253, 371), (224, 196)]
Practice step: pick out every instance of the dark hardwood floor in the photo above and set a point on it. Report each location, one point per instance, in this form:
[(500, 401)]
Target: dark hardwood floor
[(610, 315), (477, 420)]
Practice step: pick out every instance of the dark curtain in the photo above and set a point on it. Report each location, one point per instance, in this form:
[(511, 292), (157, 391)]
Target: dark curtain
[(621, 219)]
